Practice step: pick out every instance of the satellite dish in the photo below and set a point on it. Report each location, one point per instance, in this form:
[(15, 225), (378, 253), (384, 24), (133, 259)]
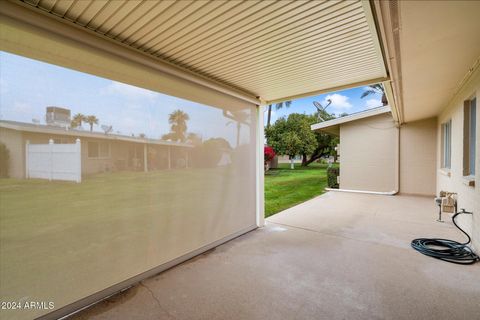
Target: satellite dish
[(321, 108), (106, 129), (35, 121)]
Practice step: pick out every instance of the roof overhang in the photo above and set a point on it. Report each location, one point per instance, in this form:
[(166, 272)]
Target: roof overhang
[(333, 126), (259, 51), (431, 48), (52, 130)]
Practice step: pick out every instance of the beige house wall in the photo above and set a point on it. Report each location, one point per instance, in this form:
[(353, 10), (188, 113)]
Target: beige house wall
[(368, 154), (13, 140), (120, 157), (453, 180), (418, 157)]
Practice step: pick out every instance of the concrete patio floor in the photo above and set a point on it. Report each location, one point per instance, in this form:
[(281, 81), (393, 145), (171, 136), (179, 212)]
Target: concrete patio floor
[(338, 256)]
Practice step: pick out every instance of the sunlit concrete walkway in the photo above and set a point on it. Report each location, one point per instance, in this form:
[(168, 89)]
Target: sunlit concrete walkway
[(338, 256)]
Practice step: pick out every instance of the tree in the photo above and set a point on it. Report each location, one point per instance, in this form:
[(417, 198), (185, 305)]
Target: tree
[(292, 136), (376, 89), (209, 153), (178, 126), (77, 120), (278, 106), (91, 120), (325, 143), (194, 139), (238, 117)]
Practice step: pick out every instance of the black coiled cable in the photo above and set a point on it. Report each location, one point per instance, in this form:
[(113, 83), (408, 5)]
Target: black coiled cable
[(445, 249)]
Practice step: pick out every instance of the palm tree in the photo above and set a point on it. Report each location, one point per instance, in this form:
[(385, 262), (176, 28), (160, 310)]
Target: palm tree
[(178, 126), (91, 120), (239, 117), (376, 89), (194, 139), (278, 106), (77, 120)]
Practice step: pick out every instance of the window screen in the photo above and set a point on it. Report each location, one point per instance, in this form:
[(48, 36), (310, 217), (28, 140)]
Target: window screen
[(93, 149), (472, 135), (161, 177), (469, 136), (446, 144)]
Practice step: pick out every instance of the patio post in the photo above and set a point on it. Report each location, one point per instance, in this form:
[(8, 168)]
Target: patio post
[(145, 161), (27, 145), (169, 158), (50, 166), (260, 140)]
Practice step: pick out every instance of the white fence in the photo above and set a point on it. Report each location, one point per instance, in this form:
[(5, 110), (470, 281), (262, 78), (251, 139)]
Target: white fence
[(54, 161)]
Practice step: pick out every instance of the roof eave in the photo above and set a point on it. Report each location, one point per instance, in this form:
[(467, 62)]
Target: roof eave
[(328, 125)]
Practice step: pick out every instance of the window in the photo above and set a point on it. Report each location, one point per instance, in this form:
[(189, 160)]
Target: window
[(469, 136), (447, 144), (98, 150), (104, 150)]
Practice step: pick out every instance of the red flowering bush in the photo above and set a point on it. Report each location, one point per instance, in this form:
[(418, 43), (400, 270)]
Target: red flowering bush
[(268, 153)]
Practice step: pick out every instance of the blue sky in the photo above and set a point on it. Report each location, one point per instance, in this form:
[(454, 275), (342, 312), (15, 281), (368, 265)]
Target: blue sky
[(348, 101), (28, 86)]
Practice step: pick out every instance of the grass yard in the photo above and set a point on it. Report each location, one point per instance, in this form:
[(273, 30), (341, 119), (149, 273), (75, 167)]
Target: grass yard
[(285, 188), (63, 240)]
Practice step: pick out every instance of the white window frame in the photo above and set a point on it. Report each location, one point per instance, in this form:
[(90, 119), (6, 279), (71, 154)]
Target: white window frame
[(446, 145), (469, 138)]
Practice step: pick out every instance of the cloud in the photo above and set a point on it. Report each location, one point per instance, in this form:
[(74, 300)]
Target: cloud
[(22, 108), (373, 103), (338, 101), (128, 91), (21, 111)]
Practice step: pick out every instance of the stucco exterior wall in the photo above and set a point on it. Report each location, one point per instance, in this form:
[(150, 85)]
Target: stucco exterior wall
[(118, 151), (368, 154), (468, 196), (418, 157), (14, 142)]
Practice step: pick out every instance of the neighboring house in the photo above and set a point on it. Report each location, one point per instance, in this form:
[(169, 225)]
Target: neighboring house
[(225, 55), (379, 156), (99, 152)]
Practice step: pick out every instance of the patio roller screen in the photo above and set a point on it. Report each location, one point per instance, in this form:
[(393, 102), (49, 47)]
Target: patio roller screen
[(102, 180)]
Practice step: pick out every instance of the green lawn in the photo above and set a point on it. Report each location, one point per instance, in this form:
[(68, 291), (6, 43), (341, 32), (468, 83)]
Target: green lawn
[(61, 241), (285, 188)]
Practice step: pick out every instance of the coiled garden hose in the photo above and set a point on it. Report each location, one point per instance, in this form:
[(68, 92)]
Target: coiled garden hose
[(447, 250)]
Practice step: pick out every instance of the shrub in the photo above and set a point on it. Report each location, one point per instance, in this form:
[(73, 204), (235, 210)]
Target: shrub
[(4, 161), (332, 174), (268, 154)]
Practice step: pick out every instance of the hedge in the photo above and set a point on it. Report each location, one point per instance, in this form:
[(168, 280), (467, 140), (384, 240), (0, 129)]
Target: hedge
[(332, 174)]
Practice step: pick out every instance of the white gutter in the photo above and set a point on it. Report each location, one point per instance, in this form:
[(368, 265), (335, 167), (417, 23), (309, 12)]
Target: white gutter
[(387, 193), (351, 117)]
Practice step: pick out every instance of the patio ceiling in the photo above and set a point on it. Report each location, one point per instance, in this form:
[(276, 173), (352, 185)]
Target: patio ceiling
[(431, 51), (273, 50)]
